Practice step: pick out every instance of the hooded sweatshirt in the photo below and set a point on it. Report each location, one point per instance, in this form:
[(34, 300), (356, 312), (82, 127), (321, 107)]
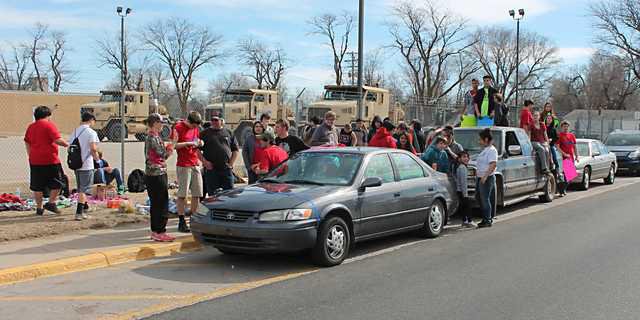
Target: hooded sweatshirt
[(382, 139)]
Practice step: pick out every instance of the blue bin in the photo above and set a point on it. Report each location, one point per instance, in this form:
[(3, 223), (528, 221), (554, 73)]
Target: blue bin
[(485, 122)]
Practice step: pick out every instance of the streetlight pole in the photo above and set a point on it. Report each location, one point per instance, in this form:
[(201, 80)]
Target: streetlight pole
[(123, 74), (298, 114), (360, 58), (520, 16)]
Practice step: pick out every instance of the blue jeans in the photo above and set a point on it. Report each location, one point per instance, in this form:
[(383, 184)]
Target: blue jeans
[(486, 195), (108, 177), (219, 179)]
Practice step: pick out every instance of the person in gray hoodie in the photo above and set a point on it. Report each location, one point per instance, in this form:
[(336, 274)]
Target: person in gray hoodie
[(326, 133), (249, 149)]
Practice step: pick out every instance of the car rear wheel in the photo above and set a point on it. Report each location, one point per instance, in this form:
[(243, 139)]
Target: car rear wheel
[(435, 220), (611, 178), (332, 245), (586, 179)]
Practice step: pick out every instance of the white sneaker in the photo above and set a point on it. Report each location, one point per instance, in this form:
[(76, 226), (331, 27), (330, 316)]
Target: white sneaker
[(78, 217)]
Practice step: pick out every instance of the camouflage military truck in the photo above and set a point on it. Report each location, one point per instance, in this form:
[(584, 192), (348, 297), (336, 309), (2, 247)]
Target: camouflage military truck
[(343, 100), (136, 109), (244, 106)]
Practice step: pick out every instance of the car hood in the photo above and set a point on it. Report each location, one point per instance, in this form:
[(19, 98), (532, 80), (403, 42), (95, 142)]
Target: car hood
[(268, 196), (623, 148)]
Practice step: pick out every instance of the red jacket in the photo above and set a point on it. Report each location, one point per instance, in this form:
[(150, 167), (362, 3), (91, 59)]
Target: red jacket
[(382, 139)]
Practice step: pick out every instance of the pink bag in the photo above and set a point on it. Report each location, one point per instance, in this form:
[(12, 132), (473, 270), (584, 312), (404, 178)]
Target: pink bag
[(569, 168)]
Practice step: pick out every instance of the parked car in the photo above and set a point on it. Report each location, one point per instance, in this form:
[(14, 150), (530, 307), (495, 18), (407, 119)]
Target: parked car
[(326, 200), (518, 176), (594, 162), (625, 144)]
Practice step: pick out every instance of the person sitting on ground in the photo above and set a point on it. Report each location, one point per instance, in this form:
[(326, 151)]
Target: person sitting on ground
[(383, 137), (403, 143), (539, 140), (105, 174), (271, 155), (326, 133), (461, 177), (436, 156), (347, 137)]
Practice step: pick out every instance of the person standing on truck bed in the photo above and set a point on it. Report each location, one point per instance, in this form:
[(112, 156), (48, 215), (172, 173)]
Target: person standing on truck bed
[(485, 177), (326, 133), (484, 101)]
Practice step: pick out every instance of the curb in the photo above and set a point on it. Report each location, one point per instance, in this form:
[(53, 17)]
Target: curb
[(96, 260)]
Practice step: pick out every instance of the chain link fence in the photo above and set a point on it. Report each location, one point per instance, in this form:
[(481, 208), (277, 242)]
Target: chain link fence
[(437, 113), (593, 124)]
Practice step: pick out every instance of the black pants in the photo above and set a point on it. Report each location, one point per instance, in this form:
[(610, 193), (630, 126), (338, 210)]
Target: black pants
[(464, 208), (158, 191)]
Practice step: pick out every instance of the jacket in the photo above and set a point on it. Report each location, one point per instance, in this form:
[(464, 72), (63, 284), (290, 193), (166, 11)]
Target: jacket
[(382, 139), (248, 149), (480, 96)]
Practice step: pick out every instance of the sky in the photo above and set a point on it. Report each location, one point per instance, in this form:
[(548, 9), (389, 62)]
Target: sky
[(280, 22)]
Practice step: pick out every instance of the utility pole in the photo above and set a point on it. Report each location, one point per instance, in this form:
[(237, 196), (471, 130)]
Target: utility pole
[(123, 77), (224, 98), (352, 63), (360, 58), (520, 16)]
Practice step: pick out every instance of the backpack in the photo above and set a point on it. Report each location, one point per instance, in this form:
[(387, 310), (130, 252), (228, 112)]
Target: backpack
[(74, 157), (135, 183)]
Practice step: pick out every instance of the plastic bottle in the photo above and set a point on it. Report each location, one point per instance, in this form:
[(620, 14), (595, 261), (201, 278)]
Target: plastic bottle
[(18, 193)]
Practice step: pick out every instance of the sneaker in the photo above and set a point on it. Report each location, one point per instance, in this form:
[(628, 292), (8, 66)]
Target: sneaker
[(183, 227), (40, 212), (156, 237), (484, 224), (121, 190), (51, 207), (468, 224), (85, 208), (78, 217), (85, 216), (168, 237)]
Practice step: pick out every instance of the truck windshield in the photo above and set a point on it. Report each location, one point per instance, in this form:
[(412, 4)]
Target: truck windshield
[(319, 168), (109, 98), (238, 97), (623, 140), (340, 95), (469, 140)]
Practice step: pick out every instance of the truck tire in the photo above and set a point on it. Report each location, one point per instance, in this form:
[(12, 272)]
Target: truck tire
[(114, 132), (100, 134), (549, 189)]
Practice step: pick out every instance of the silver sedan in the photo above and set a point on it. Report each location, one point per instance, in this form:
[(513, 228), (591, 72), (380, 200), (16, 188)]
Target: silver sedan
[(594, 162)]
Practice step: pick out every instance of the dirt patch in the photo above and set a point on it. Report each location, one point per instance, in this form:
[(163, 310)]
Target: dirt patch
[(24, 225)]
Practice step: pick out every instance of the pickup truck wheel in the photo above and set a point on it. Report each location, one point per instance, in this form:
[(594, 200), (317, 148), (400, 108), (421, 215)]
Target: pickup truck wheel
[(549, 189), (611, 178), (434, 223), (114, 132), (586, 179), (100, 134), (333, 242)]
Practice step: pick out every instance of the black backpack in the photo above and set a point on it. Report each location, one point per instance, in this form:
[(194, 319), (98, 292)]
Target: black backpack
[(135, 183), (74, 157)]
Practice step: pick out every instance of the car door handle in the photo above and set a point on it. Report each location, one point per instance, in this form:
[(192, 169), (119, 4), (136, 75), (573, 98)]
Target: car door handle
[(524, 164), (397, 194), (430, 189)]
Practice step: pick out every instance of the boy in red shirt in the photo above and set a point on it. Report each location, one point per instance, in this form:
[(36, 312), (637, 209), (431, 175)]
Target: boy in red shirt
[(567, 146), (188, 168), (271, 155), (526, 117), (42, 140)]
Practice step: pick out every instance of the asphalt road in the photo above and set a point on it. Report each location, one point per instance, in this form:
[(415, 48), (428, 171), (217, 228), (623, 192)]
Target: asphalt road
[(580, 260)]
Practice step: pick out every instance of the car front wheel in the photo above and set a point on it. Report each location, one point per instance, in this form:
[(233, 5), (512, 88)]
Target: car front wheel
[(332, 245), (611, 178), (435, 220), (586, 179)]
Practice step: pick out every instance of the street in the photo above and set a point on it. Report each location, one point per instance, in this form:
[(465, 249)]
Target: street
[(576, 258)]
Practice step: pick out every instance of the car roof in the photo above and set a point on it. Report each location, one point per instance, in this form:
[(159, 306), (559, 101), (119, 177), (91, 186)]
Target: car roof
[(618, 131), (356, 150), (587, 140)]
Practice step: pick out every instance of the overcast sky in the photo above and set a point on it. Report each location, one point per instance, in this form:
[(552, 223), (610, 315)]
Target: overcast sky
[(281, 22)]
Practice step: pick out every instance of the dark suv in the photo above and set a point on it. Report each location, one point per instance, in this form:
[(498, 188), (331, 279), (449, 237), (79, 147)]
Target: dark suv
[(518, 176), (625, 144)]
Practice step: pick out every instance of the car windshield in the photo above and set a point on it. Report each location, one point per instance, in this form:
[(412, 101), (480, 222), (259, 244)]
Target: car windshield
[(623, 140), (469, 140), (583, 149), (318, 168)]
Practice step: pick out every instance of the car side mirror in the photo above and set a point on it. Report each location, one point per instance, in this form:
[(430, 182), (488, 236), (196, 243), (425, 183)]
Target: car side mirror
[(514, 150), (370, 182)]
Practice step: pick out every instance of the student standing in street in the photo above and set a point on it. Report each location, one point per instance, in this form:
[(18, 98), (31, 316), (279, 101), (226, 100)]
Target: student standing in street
[(265, 118), (88, 140), (462, 188), (567, 145), (403, 143), (361, 133), (326, 133), (436, 156), (42, 139), (486, 180), (383, 137), (310, 129), (220, 151), (270, 157), (376, 124), (250, 149), (156, 153), (347, 137), (188, 171), (290, 144), (552, 134), (419, 139)]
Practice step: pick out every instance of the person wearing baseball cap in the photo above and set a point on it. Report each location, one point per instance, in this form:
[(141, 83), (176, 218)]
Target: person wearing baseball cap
[(220, 152), (271, 155)]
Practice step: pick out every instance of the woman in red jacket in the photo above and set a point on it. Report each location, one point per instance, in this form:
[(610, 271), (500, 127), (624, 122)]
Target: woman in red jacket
[(383, 137)]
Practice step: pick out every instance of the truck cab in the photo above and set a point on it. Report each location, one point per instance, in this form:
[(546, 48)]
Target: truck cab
[(343, 100), (518, 176)]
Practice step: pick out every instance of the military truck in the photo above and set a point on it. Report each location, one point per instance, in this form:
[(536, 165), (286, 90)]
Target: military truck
[(137, 108), (244, 106), (343, 100)]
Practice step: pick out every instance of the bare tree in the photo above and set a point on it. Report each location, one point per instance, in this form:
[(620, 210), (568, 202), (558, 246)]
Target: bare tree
[(184, 49), (36, 47), (373, 68), (234, 80), (496, 51), (337, 31), (432, 43), (268, 64), (109, 55), (156, 77), (618, 26), (14, 68), (57, 50)]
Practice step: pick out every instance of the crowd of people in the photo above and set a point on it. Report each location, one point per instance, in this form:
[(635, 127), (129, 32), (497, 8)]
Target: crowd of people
[(207, 152)]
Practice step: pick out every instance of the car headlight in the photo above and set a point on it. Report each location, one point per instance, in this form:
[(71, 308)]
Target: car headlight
[(286, 215), (635, 154), (202, 210)]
